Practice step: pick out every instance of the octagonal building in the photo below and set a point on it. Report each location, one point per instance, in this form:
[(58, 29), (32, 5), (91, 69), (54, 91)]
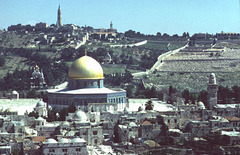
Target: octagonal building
[(86, 89)]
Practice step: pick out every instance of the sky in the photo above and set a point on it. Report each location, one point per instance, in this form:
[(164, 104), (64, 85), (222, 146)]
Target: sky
[(145, 16)]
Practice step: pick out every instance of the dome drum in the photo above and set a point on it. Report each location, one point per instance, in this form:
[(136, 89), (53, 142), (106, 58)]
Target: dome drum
[(85, 83)]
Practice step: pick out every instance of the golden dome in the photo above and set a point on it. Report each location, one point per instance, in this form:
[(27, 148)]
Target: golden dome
[(85, 68)]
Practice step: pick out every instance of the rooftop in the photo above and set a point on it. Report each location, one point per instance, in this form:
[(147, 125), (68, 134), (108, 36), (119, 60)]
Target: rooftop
[(20, 105), (226, 105), (160, 106), (146, 123), (232, 118), (230, 133)]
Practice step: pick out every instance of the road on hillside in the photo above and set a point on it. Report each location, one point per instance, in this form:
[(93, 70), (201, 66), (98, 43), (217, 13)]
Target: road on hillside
[(160, 41), (159, 62), (163, 56)]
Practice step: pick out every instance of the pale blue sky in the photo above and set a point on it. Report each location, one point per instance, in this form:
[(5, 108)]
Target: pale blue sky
[(146, 16)]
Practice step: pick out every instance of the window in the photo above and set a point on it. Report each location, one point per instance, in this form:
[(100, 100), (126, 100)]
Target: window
[(95, 141), (64, 150), (94, 132), (78, 149), (51, 150)]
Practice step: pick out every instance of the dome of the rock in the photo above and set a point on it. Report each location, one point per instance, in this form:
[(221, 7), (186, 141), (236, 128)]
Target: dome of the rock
[(85, 68)]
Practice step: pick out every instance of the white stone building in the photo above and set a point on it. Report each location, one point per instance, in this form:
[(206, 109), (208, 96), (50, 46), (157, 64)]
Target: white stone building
[(41, 108), (64, 146)]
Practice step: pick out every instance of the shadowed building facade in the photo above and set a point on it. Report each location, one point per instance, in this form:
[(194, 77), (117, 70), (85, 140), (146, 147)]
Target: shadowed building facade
[(86, 86)]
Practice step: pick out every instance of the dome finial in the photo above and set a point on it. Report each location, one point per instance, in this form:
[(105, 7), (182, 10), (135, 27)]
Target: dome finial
[(85, 52)]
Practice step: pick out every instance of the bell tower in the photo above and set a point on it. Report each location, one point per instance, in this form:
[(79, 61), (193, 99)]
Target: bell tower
[(59, 17), (212, 91), (111, 25)]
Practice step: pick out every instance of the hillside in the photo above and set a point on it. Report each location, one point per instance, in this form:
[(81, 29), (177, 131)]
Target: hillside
[(22, 51), (190, 67)]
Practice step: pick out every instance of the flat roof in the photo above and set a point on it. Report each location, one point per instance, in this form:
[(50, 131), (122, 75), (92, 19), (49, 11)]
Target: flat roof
[(226, 105), (159, 106), (19, 105), (230, 133)]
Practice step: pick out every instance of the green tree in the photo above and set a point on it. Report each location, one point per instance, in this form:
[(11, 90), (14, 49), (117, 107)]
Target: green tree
[(149, 105), (150, 93), (159, 34), (171, 90), (129, 91), (72, 108), (184, 34), (192, 99), (116, 134), (32, 94), (33, 114), (2, 61), (224, 94), (130, 33), (127, 77), (203, 97), (52, 115), (186, 96), (214, 41), (67, 54), (236, 93), (153, 92), (62, 114)]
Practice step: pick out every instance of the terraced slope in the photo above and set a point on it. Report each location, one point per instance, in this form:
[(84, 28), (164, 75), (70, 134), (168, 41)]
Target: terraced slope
[(202, 60)]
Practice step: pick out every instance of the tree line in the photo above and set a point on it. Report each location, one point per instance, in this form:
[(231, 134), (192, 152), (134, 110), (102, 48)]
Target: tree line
[(158, 36), (225, 95), (118, 79)]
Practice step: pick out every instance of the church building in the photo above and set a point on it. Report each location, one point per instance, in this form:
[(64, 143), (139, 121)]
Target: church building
[(86, 89)]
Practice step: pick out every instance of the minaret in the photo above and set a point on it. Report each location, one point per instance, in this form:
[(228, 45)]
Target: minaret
[(212, 91), (59, 17), (111, 25)]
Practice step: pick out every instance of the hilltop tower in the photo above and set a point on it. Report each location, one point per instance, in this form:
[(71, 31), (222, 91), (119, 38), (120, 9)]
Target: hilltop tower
[(111, 25), (59, 17), (212, 91)]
